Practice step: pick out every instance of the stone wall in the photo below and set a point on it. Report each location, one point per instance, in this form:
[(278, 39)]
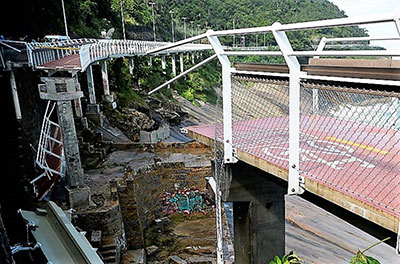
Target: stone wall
[(140, 195), (107, 219)]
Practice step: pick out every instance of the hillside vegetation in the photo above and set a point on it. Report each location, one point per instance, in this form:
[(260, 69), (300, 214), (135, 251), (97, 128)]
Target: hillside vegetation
[(87, 18)]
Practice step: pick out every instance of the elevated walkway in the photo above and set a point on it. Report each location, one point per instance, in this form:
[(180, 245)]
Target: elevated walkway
[(273, 159), (382, 69)]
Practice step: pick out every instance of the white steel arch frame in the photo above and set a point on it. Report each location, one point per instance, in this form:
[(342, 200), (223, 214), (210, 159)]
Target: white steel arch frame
[(295, 74)]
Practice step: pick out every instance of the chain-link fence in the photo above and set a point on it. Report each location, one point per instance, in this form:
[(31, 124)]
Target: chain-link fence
[(349, 138)]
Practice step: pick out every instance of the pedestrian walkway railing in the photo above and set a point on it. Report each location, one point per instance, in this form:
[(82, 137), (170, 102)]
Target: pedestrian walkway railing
[(50, 152), (337, 138)]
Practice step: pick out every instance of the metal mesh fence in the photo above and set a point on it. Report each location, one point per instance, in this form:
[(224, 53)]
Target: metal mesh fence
[(260, 111), (349, 138)]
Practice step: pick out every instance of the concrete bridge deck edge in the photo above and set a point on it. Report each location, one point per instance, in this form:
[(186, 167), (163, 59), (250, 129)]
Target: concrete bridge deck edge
[(353, 205)]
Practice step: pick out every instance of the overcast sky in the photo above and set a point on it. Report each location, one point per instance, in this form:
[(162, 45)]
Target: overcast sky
[(355, 8)]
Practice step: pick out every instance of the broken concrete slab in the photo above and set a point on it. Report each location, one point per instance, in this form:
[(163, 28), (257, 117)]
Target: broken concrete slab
[(79, 197), (177, 260)]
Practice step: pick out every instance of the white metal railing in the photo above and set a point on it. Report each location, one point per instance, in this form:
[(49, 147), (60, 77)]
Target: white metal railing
[(295, 74), (92, 50), (296, 180), (324, 41), (40, 53), (104, 49), (50, 140)]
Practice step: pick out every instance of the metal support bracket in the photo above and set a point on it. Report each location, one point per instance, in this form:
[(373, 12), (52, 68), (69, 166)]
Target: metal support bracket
[(229, 152), (295, 180), (398, 240)]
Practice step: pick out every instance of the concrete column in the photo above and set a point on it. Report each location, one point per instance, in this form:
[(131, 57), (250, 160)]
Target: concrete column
[(181, 62), (90, 82), (150, 61), (14, 91), (173, 65), (70, 142), (163, 63), (192, 58), (259, 214), (131, 65), (77, 102), (104, 76)]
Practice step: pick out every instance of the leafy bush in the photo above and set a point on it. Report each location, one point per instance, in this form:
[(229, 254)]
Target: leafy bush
[(361, 258), (289, 258)]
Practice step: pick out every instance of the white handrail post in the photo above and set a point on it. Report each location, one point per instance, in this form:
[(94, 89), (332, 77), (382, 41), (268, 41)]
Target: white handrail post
[(173, 65), (227, 97), (14, 91), (227, 123), (321, 46), (295, 179), (181, 62), (315, 94)]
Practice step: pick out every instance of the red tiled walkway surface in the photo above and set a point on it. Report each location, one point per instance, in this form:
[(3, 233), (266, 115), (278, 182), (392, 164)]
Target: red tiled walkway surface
[(359, 161), (72, 62)]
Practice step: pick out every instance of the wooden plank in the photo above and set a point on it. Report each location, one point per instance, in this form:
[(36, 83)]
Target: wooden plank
[(319, 237)]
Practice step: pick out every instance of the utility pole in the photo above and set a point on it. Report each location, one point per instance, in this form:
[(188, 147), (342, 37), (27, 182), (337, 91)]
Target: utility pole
[(154, 19), (122, 19), (184, 26), (191, 25), (172, 25), (65, 18)]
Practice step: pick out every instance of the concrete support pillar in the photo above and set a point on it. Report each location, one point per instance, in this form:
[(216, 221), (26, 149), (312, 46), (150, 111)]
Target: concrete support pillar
[(181, 62), (70, 142), (104, 76), (90, 82), (192, 58), (173, 65), (77, 102), (259, 214), (150, 61), (131, 66), (163, 63), (14, 91)]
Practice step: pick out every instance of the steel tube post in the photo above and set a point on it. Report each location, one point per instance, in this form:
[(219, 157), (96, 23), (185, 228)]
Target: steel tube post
[(315, 92), (227, 123), (163, 63), (90, 82), (104, 75), (181, 62), (295, 179), (183, 74), (398, 240), (173, 65), (14, 91), (65, 18), (131, 66), (227, 97)]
